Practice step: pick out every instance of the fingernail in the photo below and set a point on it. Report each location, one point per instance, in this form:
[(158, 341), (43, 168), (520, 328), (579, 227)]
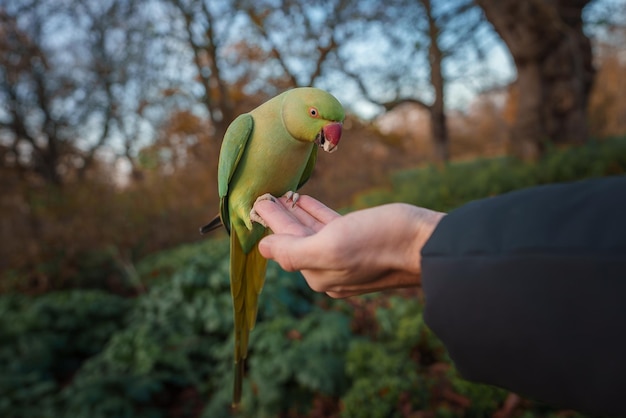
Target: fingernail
[(264, 248)]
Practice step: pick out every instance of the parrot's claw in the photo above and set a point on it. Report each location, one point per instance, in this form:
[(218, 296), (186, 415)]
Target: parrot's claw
[(254, 215), (293, 196)]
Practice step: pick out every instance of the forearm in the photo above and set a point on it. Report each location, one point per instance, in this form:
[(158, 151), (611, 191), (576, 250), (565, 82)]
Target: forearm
[(527, 291)]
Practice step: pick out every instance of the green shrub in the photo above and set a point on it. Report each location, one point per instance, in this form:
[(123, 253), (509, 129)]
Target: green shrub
[(44, 340), (290, 362), (171, 344), (404, 370), (459, 182)]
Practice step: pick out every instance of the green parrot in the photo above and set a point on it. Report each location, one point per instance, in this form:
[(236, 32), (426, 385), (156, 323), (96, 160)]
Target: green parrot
[(270, 151)]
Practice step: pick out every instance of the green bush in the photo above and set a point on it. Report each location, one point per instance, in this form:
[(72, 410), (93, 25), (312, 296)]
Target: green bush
[(171, 344), (90, 354), (404, 370), (44, 340), (459, 182)]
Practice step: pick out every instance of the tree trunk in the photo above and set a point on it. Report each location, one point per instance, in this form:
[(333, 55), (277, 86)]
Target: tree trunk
[(439, 130), (46, 164), (554, 70), (438, 125)]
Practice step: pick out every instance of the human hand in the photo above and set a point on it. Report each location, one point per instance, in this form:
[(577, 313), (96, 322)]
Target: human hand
[(365, 251)]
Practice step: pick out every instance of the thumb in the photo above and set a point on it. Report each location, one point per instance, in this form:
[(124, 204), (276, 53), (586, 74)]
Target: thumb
[(266, 245), (285, 249)]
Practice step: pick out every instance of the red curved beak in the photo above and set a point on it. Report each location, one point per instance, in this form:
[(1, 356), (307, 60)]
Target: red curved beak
[(332, 133)]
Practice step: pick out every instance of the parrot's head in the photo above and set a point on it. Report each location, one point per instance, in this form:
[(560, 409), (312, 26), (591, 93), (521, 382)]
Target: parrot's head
[(313, 115)]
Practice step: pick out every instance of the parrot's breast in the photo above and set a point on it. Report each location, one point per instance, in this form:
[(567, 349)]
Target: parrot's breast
[(272, 163)]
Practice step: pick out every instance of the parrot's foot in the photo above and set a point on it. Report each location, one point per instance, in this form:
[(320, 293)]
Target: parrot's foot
[(293, 196), (254, 216)]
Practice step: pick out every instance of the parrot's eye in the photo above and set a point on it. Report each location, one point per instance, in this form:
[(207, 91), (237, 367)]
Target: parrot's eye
[(313, 112)]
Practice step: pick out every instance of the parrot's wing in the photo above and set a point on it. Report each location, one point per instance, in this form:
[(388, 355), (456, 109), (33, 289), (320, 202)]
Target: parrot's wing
[(308, 170), (233, 146)]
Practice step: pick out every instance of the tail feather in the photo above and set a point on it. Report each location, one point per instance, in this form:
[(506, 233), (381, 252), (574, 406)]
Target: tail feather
[(247, 275), (212, 225), (238, 384)]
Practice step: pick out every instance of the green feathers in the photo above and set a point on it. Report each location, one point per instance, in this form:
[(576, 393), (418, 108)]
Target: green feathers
[(272, 150), (247, 276)]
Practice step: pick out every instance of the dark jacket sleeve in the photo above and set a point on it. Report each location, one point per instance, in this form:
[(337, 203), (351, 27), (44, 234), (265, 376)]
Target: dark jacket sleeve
[(527, 290)]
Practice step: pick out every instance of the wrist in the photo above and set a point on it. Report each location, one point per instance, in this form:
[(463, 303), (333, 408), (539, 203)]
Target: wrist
[(422, 224)]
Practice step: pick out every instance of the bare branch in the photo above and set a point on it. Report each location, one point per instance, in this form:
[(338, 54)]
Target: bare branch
[(258, 20)]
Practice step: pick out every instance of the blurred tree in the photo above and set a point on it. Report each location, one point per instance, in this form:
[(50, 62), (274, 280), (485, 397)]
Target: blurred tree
[(607, 107), (30, 131), (75, 77), (606, 24), (268, 46), (244, 52), (554, 70), (206, 26), (421, 36), (316, 31)]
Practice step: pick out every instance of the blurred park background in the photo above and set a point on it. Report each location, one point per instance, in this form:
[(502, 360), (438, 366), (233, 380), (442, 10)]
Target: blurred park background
[(111, 119)]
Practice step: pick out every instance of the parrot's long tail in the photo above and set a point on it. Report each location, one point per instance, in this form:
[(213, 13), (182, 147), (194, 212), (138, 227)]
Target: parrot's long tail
[(247, 274)]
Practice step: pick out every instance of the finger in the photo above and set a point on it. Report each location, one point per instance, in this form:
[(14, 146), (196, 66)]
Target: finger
[(310, 212), (280, 220), (342, 295), (291, 252), (385, 281), (321, 281), (302, 215), (317, 209)]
